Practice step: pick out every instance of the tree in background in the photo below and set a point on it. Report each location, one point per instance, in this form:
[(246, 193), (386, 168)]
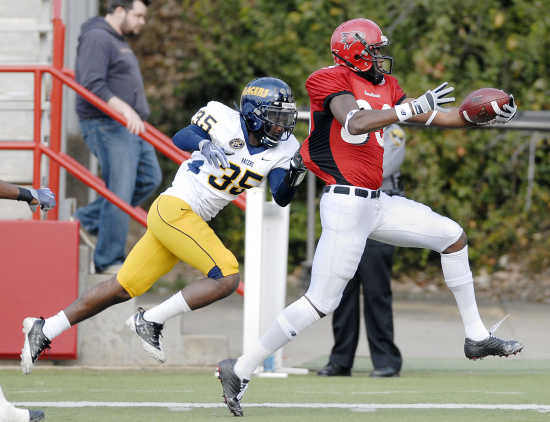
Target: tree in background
[(207, 49)]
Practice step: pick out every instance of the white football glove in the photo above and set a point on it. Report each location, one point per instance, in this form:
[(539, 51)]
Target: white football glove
[(432, 100), (507, 112)]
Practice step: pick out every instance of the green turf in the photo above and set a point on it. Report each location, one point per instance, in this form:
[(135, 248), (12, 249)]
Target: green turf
[(527, 382)]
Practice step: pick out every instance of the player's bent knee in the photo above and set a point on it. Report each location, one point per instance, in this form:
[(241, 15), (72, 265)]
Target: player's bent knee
[(458, 245), (132, 286), (120, 293), (228, 284)]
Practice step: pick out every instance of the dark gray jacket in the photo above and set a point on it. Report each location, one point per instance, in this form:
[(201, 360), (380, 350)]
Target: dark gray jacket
[(106, 65)]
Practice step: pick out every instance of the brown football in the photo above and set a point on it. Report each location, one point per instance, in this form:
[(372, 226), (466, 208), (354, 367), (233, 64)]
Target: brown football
[(477, 108)]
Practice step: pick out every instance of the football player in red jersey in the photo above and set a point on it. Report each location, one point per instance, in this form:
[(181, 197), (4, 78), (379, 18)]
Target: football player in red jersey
[(350, 104)]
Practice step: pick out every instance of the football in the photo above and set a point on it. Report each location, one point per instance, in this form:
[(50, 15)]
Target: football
[(477, 108)]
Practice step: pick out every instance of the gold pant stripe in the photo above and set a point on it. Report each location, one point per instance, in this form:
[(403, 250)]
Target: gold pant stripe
[(174, 232)]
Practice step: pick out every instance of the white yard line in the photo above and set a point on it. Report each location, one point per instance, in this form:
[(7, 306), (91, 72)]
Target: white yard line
[(370, 406)]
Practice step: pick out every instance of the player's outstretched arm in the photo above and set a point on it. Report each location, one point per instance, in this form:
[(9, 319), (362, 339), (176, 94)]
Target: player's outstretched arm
[(34, 197), (346, 111), (485, 109), (8, 191), (451, 118), (422, 109)]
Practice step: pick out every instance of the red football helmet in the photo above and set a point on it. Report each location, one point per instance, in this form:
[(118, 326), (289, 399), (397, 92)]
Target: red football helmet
[(356, 44)]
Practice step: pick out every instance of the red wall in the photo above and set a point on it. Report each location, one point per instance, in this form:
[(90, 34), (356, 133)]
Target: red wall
[(38, 277)]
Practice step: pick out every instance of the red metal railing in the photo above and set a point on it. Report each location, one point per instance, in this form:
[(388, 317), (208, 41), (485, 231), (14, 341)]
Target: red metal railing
[(59, 159), (53, 151)]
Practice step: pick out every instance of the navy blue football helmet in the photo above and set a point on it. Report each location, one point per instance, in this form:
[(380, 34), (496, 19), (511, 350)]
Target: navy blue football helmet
[(269, 110)]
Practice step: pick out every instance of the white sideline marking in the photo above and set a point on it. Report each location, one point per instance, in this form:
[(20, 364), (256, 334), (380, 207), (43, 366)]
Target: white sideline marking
[(370, 406)]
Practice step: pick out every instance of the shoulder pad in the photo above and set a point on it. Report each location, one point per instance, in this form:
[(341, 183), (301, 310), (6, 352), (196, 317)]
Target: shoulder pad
[(221, 122)]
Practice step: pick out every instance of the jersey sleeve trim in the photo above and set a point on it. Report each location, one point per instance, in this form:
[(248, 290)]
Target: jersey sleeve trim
[(329, 98), (189, 137), (400, 100)]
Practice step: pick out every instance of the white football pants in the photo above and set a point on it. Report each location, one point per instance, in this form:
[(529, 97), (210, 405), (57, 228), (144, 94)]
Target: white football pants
[(348, 220)]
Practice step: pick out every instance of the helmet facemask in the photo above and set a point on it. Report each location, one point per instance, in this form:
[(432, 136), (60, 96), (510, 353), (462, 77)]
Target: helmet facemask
[(279, 120), (382, 64)]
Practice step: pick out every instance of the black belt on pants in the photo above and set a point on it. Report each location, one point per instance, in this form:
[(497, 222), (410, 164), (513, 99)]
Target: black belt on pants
[(344, 190)]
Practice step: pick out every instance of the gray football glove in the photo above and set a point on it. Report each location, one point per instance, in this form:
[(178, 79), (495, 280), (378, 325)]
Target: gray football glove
[(213, 154), (432, 100), (45, 198)]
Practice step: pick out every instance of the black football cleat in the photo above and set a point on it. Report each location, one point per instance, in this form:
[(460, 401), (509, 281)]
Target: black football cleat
[(233, 387), (491, 346), (149, 333), (36, 415), (35, 343)]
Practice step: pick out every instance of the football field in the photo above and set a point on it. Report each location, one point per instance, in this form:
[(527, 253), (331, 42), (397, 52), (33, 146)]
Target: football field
[(492, 390)]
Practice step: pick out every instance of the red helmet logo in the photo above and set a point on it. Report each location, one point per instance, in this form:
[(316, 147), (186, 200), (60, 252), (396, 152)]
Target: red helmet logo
[(348, 39)]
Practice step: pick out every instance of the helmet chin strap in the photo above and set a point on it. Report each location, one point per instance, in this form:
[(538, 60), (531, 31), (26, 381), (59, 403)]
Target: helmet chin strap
[(347, 62), (267, 142), (372, 75), (263, 139)]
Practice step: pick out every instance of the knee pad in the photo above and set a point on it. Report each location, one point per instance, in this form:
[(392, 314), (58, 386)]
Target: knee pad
[(324, 301), (452, 231), (297, 316)]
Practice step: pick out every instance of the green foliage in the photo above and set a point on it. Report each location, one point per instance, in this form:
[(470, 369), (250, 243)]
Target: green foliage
[(196, 51)]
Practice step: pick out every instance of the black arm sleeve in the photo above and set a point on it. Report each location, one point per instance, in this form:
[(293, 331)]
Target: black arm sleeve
[(279, 182)]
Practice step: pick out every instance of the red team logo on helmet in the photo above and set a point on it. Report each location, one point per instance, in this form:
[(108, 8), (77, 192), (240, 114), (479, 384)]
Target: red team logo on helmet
[(348, 39)]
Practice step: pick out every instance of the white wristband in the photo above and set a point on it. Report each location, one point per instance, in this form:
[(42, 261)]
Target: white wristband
[(403, 111), (351, 113)]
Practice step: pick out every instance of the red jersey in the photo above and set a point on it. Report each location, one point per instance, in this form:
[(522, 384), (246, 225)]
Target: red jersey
[(325, 152)]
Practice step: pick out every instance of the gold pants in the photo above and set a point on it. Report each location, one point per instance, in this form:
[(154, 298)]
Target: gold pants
[(174, 232)]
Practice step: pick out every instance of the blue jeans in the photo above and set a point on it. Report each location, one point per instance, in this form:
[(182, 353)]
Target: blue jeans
[(130, 169)]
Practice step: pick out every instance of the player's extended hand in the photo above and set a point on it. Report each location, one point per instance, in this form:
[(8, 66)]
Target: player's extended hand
[(297, 169), (432, 100), (507, 112), (213, 154), (45, 198)]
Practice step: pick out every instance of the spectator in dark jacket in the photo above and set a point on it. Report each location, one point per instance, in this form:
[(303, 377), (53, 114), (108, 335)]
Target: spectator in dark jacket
[(106, 66)]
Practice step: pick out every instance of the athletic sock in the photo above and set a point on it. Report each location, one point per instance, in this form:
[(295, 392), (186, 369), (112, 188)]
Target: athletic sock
[(247, 363), (55, 325), (458, 277), (171, 307), (289, 323)]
